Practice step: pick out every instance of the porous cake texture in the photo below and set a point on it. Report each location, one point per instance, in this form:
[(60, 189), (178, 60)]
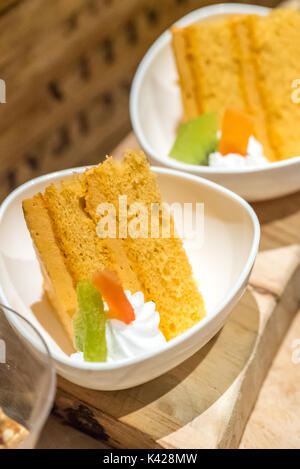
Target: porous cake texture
[(63, 221), (247, 63)]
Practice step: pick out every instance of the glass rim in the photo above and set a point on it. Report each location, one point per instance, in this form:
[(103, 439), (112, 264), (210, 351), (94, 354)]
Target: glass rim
[(49, 399)]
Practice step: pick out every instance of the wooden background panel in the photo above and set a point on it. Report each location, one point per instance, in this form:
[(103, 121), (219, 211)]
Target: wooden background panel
[(6, 4), (68, 67)]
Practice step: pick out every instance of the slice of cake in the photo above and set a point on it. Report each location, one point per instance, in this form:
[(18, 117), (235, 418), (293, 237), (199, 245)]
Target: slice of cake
[(63, 224), (161, 265), (208, 68), (276, 46), (247, 63)]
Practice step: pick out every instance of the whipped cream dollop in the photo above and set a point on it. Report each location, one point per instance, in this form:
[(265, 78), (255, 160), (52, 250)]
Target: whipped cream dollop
[(131, 340), (254, 158)]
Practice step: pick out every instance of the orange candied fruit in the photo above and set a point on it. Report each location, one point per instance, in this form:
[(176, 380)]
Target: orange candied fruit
[(237, 127), (110, 287)]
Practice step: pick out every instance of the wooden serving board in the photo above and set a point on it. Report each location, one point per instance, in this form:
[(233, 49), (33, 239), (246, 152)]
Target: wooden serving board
[(275, 420), (206, 401)]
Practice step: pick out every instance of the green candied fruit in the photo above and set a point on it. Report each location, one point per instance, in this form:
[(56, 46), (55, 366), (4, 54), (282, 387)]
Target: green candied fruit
[(196, 139), (89, 323), (78, 331)]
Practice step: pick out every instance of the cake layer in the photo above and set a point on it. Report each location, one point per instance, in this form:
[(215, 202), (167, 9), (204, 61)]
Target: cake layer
[(58, 282), (249, 83), (75, 232), (76, 235), (191, 104), (93, 196), (276, 43), (160, 264)]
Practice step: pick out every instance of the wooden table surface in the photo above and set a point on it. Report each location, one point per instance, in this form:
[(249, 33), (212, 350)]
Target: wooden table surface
[(280, 226)]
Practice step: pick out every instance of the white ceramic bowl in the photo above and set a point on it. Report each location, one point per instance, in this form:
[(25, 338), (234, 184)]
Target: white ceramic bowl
[(222, 265), (155, 110)]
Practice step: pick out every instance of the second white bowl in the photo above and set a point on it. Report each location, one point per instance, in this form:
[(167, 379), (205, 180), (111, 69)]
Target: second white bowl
[(155, 110)]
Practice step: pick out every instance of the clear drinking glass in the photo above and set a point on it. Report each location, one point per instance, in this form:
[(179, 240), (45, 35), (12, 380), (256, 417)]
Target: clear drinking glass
[(27, 375)]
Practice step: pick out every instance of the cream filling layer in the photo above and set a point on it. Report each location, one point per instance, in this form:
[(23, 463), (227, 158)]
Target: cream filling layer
[(131, 340), (255, 157)]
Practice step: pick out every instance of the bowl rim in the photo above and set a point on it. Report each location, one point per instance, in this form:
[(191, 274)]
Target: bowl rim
[(231, 295), (142, 70)]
